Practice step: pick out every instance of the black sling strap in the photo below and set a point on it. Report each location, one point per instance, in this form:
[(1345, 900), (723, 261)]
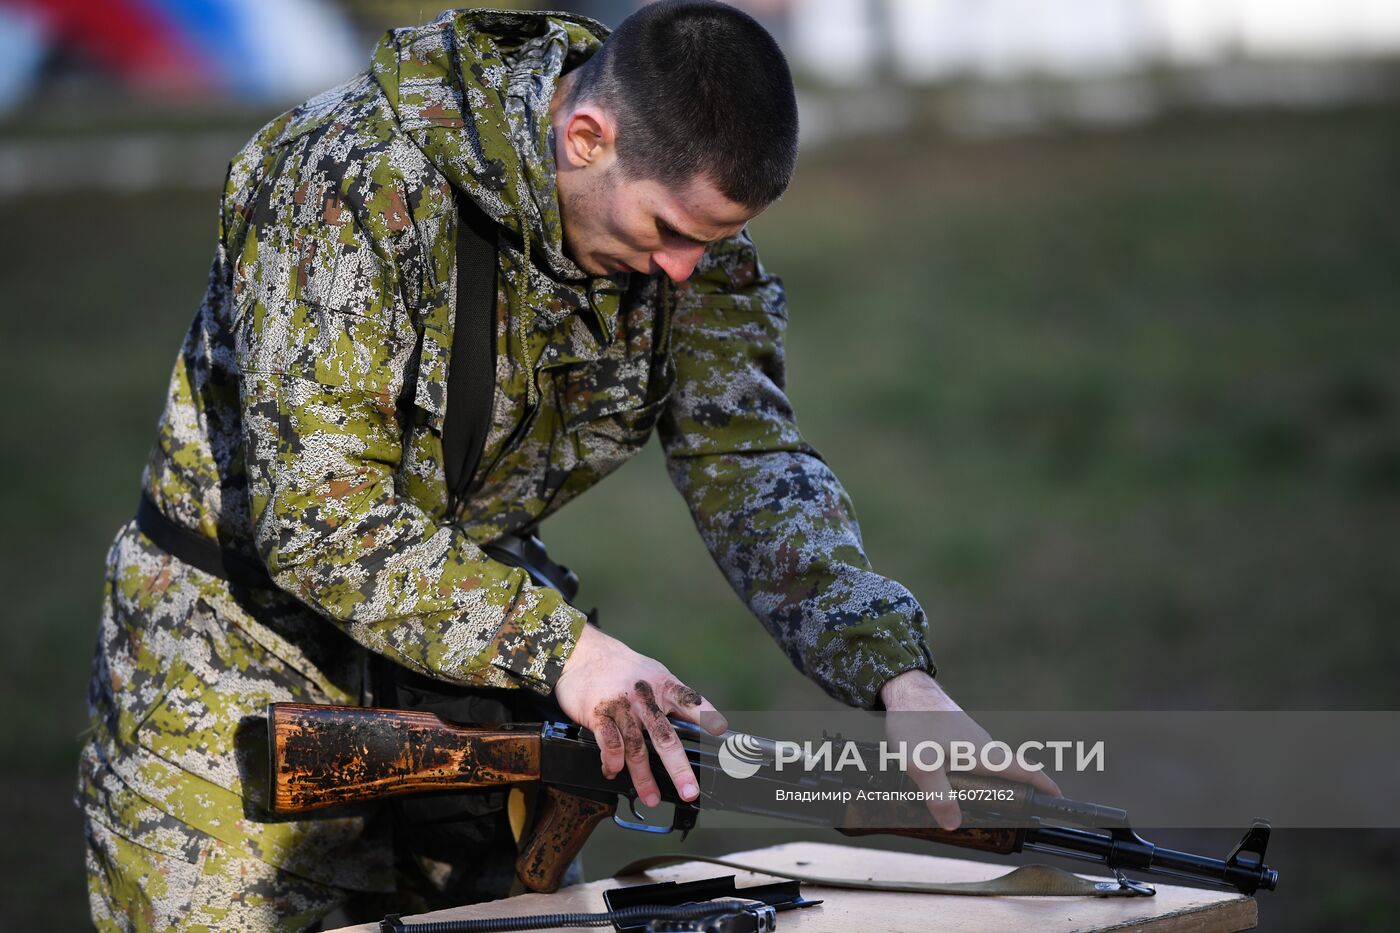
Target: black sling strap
[(471, 375), (198, 551), (471, 385)]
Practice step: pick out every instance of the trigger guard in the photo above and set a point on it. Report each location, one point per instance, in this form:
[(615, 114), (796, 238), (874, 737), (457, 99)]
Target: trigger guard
[(640, 824)]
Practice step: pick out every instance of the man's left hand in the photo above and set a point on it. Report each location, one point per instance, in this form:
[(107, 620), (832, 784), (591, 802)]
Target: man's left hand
[(916, 691)]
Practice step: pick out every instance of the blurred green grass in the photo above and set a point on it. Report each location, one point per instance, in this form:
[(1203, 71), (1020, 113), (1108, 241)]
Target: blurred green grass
[(1120, 408)]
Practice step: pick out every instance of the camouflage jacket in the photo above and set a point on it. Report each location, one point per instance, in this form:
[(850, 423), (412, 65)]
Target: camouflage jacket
[(303, 428)]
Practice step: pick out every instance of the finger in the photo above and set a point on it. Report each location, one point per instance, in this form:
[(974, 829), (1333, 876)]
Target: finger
[(609, 736), (635, 752), (940, 803), (667, 744), (688, 704)]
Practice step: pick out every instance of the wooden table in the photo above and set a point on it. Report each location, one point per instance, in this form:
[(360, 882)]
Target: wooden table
[(1175, 909)]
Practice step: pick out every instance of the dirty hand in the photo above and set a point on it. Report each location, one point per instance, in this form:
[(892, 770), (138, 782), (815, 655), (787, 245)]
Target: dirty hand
[(621, 696), (916, 691)]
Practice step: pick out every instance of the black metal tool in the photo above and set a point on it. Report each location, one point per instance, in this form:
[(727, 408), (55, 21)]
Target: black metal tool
[(777, 896)]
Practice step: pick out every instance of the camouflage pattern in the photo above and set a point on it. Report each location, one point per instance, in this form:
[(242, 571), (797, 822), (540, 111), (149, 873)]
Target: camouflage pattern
[(136, 887), (303, 428)]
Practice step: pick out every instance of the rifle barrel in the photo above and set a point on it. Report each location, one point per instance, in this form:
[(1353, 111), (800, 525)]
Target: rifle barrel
[(1125, 849)]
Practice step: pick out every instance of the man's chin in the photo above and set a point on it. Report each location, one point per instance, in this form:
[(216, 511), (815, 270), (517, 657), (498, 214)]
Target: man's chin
[(594, 265), (612, 268), (597, 264)]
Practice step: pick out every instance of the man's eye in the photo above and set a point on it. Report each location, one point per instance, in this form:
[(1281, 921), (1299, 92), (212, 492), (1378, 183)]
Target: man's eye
[(672, 233)]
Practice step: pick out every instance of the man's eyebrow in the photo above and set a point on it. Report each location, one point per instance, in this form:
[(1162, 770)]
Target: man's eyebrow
[(670, 228)]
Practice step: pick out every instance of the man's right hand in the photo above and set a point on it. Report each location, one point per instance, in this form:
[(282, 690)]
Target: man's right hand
[(621, 696)]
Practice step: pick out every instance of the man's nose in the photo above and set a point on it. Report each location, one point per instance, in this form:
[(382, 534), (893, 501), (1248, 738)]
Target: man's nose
[(678, 264)]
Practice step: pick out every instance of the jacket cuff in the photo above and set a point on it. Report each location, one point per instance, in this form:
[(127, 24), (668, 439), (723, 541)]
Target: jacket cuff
[(865, 656), (536, 638)]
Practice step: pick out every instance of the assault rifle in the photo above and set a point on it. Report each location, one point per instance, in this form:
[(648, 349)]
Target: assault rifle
[(324, 756)]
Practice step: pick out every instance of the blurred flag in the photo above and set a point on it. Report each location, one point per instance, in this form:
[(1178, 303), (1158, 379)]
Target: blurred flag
[(22, 40), (260, 49)]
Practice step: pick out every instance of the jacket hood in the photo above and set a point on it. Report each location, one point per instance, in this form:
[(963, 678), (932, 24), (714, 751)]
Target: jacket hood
[(472, 90)]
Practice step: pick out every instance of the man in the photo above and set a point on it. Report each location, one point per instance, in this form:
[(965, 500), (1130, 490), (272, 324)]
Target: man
[(303, 440)]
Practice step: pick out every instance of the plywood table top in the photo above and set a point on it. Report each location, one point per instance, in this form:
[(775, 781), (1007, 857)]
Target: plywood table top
[(1175, 909)]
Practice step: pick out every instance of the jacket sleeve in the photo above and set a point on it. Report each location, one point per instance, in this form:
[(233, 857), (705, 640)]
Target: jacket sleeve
[(772, 514), (324, 346)]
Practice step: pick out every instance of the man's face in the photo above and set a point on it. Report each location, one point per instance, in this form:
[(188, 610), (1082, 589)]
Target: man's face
[(614, 224)]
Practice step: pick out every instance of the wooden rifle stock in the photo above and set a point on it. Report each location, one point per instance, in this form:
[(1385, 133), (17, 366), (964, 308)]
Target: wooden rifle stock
[(323, 756)]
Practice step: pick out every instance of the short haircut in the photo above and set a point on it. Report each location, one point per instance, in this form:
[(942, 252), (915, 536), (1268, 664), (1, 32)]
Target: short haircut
[(697, 88)]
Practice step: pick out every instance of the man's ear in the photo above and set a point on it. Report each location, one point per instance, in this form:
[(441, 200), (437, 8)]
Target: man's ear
[(589, 136)]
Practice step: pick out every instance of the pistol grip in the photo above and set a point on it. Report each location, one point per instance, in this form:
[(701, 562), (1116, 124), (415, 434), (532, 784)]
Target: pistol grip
[(563, 822)]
